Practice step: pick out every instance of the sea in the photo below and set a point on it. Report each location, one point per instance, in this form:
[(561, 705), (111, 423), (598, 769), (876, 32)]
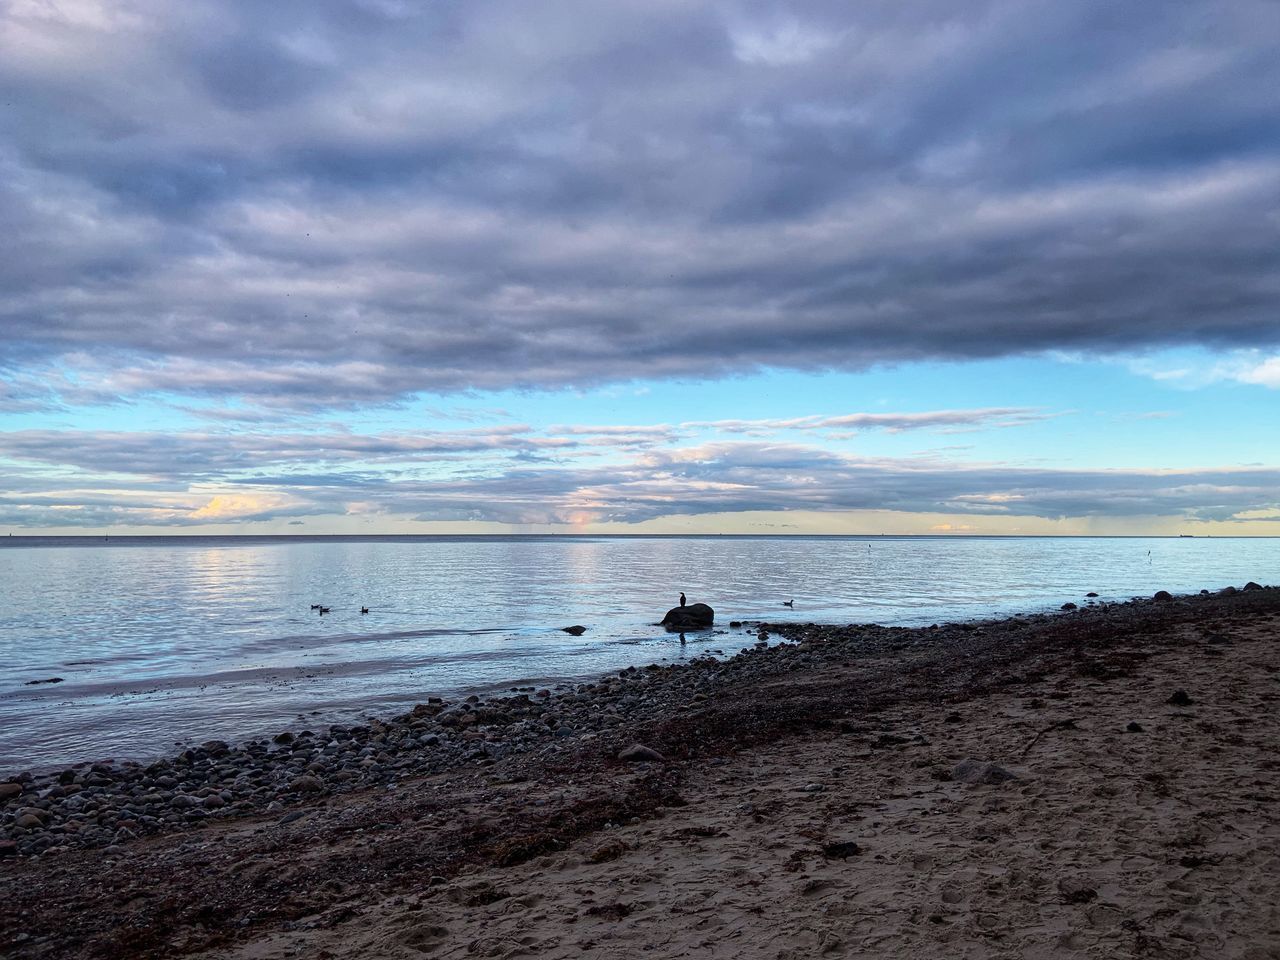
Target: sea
[(158, 642)]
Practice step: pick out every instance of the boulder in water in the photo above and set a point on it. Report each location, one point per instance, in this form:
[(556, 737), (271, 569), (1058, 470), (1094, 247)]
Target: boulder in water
[(693, 616)]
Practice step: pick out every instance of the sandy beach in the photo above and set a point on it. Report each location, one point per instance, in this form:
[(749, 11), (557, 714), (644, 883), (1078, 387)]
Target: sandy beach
[(1096, 783)]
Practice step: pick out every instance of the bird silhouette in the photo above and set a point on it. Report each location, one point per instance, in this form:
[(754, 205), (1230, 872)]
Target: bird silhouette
[(323, 610), (364, 609), (788, 603)]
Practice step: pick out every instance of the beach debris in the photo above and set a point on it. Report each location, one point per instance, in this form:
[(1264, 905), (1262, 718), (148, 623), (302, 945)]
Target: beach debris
[(840, 850), (1179, 698), (609, 850), (976, 772), (695, 616), (576, 630), (639, 753), (1068, 724)]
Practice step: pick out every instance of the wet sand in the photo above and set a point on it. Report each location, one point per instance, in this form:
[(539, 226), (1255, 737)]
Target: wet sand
[(812, 803)]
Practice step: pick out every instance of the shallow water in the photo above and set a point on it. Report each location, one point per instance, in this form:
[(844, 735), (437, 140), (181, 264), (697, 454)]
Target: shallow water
[(160, 640)]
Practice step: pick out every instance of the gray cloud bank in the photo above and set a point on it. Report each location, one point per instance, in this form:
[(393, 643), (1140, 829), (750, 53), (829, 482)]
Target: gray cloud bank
[(312, 204), (477, 475)]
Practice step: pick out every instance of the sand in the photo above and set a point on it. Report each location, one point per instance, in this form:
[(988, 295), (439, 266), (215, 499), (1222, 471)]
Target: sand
[(850, 837)]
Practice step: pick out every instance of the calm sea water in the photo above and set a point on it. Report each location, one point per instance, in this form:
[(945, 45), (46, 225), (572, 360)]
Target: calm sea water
[(160, 640)]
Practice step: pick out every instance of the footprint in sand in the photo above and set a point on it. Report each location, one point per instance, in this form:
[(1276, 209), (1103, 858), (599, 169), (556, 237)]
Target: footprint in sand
[(425, 937)]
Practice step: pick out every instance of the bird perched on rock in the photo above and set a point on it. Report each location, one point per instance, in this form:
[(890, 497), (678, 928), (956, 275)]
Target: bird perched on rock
[(682, 599)]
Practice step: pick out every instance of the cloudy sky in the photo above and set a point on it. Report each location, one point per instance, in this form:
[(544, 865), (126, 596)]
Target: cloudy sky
[(374, 266)]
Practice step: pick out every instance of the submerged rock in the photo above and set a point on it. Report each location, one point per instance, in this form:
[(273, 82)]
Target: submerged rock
[(577, 630)]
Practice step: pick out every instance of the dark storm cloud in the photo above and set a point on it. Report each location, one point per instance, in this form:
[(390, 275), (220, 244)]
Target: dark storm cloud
[(334, 203)]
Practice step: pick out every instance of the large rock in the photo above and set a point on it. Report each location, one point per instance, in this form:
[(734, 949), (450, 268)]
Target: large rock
[(693, 616)]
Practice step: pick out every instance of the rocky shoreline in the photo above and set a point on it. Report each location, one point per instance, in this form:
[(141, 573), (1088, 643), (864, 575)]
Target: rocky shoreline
[(549, 759), (102, 804)]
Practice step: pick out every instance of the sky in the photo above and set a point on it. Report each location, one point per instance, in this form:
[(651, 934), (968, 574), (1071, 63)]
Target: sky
[(374, 266)]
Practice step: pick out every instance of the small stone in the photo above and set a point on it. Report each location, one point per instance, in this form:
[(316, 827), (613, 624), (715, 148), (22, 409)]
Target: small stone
[(285, 737), (1229, 591), (307, 785), (9, 790), (610, 850), (639, 753), (1163, 595), (577, 630), (28, 821), (1068, 606), (8, 848), (840, 850), (1252, 586), (976, 772), (1091, 595), (1134, 727), (1179, 698)]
